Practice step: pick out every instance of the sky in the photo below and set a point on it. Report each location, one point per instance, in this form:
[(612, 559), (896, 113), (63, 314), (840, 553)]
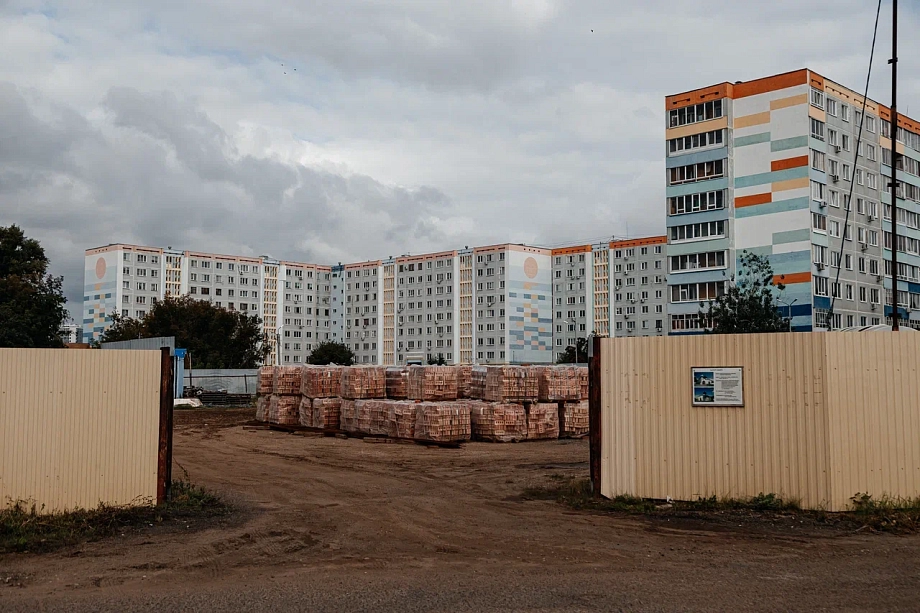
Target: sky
[(345, 130)]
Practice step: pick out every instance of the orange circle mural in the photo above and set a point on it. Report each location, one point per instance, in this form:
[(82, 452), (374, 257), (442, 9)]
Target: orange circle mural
[(530, 268), (100, 268)]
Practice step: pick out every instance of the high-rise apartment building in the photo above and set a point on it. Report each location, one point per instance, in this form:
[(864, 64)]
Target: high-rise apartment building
[(766, 166)]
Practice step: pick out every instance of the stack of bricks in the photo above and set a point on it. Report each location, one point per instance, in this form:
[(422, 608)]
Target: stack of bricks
[(511, 384), (465, 381), (442, 421), (573, 418), (305, 412), (496, 422), (266, 384), (583, 381), (326, 412), (284, 410), (559, 383), (262, 403), (362, 382), (432, 383), (287, 380), (401, 419), (348, 421), (321, 381), (371, 417), (478, 382), (397, 382), (542, 420)]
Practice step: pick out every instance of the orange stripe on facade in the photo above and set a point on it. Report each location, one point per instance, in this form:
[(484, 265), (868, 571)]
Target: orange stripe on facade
[(783, 103), (795, 277), (770, 84), (638, 242), (816, 80), (756, 119), (713, 92), (743, 201), (796, 162), (572, 250)]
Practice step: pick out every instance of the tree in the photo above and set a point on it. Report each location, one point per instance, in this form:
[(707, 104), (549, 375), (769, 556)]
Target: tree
[(749, 304), (437, 361), (32, 303), (215, 337), (331, 352), (575, 355)]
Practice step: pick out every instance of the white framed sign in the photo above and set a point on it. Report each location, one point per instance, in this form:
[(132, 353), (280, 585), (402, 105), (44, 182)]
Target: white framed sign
[(717, 387)]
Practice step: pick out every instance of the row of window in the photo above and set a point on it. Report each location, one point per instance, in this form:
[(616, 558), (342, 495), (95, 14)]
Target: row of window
[(698, 261), (141, 258), (697, 292), (696, 113), (140, 272), (692, 173), (695, 203), (713, 138), (698, 231), (628, 282)]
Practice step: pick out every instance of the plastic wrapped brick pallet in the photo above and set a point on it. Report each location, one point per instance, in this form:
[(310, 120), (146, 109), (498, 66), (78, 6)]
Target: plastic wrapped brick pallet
[(321, 381), (478, 382), (262, 407), (305, 412), (583, 381), (433, 383), (496, 422), (266, 383), (575, 418), (348, 416), (464, 381), (442, 421), (401, 418), (287, 380), (397, 381), (362, 382), (326, 413), (511, 384), (371, 417), (543, 421), (284, 410), (559, 383)]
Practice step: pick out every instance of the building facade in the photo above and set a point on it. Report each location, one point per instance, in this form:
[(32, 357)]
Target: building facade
[(768, 166)]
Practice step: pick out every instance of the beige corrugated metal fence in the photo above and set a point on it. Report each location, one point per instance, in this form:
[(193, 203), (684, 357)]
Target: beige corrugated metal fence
[(822, 418), (78, 427)]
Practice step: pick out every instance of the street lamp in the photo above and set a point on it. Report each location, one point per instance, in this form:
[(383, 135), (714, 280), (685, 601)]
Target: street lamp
[(788, 312)]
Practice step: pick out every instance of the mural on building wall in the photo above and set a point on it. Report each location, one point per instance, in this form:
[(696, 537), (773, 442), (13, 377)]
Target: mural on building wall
[(100, 278), (530, 307)]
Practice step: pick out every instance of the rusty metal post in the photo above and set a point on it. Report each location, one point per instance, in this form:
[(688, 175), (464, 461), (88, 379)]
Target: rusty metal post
[(164, 451), (594, 413)]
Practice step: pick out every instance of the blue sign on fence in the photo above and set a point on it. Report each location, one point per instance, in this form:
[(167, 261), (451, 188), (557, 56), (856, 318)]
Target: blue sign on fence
[(180, 353)]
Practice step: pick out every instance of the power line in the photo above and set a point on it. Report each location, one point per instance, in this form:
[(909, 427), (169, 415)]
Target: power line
[(848, 202)]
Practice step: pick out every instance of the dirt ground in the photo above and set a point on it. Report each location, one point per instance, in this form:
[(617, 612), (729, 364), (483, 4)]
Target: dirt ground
[(348, 525)]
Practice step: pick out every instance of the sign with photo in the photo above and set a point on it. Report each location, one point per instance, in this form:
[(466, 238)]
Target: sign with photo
[(715, 387)]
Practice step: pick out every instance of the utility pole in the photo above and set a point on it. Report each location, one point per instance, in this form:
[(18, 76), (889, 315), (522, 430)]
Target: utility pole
[(894, 165)]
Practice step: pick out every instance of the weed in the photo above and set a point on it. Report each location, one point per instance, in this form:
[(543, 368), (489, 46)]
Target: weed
[(24, 527)]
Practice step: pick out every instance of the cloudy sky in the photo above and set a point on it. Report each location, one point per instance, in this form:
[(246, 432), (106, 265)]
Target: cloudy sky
[(340, 130)]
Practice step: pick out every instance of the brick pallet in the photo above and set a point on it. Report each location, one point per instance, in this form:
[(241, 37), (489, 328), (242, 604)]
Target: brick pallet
[(464, 381), (371, 417), (559, 383), (574, 418), (442, 421), (432, 383), (262, 404), (305, 412), (348, 416), (321, 381), (401, 418), (542, 421), (284, 410), (287, 380), (266, 383), (511, 384), (498, 422), (397, 382), (362, 382), (478, 382), (583, 380), (326, 413)]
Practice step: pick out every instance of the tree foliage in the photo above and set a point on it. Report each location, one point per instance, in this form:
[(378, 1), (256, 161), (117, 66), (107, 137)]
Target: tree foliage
[(32, 303), (331, 352), (214, 336), (749, 304), (577, 354)]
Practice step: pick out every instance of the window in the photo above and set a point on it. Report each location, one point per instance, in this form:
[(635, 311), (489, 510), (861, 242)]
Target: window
[(871, 152), (817, 129), (696, 141), (845, 142), (832, 137), (697, 172), (871, 180), (694, 203), (712, 229), (860, 177), (833, 198), (817, 191), (833, 228), (698, 261), (819, 222), (870, 124), (695, 113), (817, 160), (844, 112), (831, 107), (820, 286), (819, 254), (693, 292), (817, 98), (846, 172)]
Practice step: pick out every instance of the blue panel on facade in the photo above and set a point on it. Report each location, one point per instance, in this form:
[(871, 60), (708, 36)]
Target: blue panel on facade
[(697, 158), (696, 188), (785, 144), (764, 178), (753, 139), (781, 206), (701, 217), (822, 302)]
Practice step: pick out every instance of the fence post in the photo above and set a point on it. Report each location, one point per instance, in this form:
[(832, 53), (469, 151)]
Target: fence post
[(594, 414), (164, 451)]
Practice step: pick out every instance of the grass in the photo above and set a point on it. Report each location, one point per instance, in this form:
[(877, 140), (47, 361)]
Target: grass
[(24, 528), (897, 515)]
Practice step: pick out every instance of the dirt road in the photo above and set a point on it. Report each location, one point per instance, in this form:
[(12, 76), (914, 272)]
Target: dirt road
[(346, 525)]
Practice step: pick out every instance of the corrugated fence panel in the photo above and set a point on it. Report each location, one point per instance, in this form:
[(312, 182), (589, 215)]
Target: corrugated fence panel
[(874, 414), (78, 428), (662, 445)]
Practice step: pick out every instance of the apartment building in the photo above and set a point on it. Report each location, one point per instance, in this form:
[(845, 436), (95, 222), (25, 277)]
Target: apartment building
[(767, 166), (356, 304)]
